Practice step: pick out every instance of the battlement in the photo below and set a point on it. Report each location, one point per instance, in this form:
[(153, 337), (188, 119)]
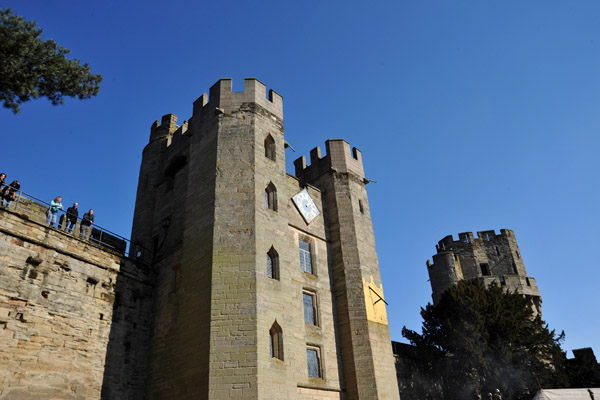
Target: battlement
[(339, 158), (466, 238), (223, 99), (167, 125)]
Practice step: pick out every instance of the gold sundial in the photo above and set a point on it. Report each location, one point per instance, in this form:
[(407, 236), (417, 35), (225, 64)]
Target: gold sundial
[(374, 302)]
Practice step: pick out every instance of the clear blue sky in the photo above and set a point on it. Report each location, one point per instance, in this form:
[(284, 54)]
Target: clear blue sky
[(471, 115)]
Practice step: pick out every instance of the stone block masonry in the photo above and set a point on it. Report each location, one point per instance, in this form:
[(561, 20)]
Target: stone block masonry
[(251, 300), (57, 296), (235, 291), (489, 257)]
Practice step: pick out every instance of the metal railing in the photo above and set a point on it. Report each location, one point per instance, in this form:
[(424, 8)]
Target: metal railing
[(38, 209)]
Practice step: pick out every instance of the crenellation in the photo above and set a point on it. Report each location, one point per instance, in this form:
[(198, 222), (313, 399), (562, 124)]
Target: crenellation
[(223, 99), (315, 155), (232, 267), (339, 158), (233, 181), (468, 239)]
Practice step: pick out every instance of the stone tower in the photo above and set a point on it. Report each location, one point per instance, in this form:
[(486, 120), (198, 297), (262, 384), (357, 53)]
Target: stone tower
[(268, 284), (488, 257)]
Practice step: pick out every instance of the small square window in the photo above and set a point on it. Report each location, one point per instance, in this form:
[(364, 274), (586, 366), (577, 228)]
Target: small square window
[(485, 269)]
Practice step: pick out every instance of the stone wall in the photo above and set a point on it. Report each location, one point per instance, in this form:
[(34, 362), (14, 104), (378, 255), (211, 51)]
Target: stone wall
[(57, 294), (201, 208)]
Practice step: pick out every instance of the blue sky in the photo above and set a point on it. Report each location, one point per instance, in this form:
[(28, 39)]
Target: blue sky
[(471, 115)]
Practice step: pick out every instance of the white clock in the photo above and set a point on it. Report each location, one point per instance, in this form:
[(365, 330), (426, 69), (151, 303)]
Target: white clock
[(306, 206)]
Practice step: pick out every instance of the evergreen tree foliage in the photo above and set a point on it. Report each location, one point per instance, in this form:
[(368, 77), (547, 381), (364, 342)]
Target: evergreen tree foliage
[(31, 67), (476, 340)]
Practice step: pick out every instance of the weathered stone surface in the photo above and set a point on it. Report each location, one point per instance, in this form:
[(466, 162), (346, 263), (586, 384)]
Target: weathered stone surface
[(191, 315), (201, 205), (54, 324), (489, 257), (58, 314)]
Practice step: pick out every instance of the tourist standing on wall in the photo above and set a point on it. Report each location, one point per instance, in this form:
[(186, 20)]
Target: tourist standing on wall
[(2, 180), (52, 212), (72, 215), (86, 221), (9, 193)]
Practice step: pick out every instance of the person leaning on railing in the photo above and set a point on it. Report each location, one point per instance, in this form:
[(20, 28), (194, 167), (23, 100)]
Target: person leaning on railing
[(72, 215), (86, 221), (9, 193), (52, 212)]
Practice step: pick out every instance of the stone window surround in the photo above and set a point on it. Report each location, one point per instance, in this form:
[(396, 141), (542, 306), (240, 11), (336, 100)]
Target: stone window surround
[(270, 148), (271, 197), (276, 341), (272, 264), (314, 308), (313, 354), (308, 258)]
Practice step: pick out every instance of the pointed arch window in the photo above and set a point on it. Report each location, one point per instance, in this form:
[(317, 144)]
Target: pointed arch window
[(271, 197), (272, 264), (276, 340), (270, 148)]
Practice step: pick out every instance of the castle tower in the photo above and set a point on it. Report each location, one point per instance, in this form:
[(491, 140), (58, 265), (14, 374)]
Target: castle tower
[(489, 257), (264, 290)]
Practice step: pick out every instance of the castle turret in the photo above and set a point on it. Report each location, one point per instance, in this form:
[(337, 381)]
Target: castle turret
[(490, 257), (365, 341), (244, 253)]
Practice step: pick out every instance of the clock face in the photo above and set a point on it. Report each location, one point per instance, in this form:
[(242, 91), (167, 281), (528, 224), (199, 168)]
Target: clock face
[(305, 204)]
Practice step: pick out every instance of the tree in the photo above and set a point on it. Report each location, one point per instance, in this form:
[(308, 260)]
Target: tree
[(31, 67), (476, 340)]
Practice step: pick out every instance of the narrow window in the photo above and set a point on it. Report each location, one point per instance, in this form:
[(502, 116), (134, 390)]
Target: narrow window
[(305, 257), (485, 269), (487, 237), (360, 207), (271, 197), (514, 266), (313, 362), (518, 255), (270, 148), (467, 239), (272, 264), (310, 308), (527, 281), (497, 251), (276, 341)]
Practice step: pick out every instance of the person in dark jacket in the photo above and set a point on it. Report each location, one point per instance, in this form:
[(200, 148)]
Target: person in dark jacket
[(9, 193), (86, 221), (72, 215), (2, 180)]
